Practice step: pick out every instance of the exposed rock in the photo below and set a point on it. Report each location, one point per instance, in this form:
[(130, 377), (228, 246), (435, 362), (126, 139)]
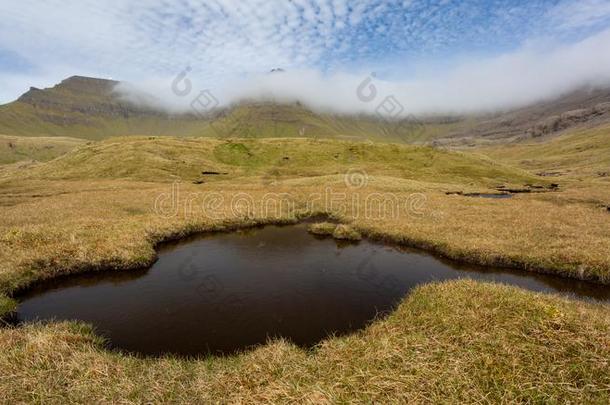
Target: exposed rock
[(87, 102), (567, 119), (585, 106), (602, 108), (78, 98)]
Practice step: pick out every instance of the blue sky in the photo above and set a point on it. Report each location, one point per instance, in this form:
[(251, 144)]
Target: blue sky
[(42, 42)]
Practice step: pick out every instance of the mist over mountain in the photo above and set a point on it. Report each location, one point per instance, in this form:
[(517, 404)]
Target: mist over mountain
[(533, 73), (97, 108)]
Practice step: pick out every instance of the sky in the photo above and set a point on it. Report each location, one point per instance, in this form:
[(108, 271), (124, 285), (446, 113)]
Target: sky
[(432, 55)]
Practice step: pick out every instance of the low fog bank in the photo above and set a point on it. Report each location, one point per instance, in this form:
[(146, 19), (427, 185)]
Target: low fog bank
[(531, 74)]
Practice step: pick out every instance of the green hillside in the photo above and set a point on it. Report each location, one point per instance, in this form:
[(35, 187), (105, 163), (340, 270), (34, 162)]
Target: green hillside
[(168, 158), (85, 108), (16, 148), (89, 108)]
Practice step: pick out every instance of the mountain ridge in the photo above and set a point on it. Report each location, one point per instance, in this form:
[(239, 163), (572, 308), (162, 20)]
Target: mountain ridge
[(90, 108)]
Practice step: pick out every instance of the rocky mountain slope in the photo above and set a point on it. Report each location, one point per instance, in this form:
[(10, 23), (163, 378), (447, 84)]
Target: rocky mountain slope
[(584, 108), (89, 108)]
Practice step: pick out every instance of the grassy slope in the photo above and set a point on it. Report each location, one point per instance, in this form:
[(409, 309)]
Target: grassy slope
[(580, 153), (65, 117), (84, 108), (15, 149), (22, 119), (265, 120), (451, 342), (165, 159)]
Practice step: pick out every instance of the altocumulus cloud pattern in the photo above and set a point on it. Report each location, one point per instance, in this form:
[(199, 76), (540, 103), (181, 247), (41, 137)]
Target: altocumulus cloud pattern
[(224, 42)]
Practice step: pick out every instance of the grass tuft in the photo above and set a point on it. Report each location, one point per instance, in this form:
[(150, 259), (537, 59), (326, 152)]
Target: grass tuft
[(346, 232), (7, 305), (322, 228)]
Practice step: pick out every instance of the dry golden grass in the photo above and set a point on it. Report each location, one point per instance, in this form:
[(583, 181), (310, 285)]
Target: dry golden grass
[(322, 228), (17, 148), (57, 227), (450, 342), (346, 232), (458, 341)]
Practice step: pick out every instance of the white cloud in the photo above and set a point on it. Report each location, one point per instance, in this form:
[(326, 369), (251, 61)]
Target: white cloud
[(527, 75), (581, 13), (227, 42)]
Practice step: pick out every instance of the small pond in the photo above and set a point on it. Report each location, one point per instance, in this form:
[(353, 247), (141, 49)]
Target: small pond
[(222, 293)]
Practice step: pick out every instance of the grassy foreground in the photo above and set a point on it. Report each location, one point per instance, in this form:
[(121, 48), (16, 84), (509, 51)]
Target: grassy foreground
[(451, 342), (93, 209)]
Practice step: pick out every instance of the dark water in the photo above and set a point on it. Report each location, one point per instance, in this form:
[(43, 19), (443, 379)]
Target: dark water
[(227, 292), (498, 196)]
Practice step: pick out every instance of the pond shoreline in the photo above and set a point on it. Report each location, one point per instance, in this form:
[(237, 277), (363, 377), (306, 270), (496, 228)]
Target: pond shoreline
[(228, 226), (230, 291)]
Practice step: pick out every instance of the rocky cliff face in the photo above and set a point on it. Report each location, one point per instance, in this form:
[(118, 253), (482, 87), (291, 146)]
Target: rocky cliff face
[(87, 107), (586, 107), (565, 120), (90, 108), (82, 95)]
